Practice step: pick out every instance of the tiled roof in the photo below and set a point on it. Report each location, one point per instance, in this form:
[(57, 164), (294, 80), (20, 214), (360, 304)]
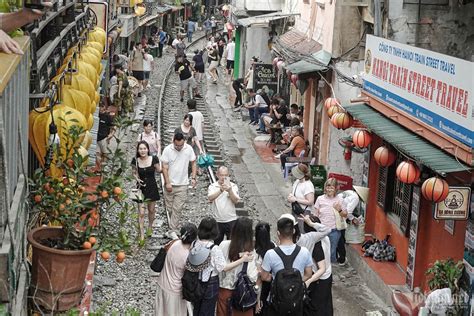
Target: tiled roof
[(294, 41)]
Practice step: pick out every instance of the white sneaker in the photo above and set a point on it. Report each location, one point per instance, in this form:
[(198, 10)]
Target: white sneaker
[(277, 156)]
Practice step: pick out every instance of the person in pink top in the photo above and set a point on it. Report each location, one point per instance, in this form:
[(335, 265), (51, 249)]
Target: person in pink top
[(325, 207), (151, 137), (168, 300)]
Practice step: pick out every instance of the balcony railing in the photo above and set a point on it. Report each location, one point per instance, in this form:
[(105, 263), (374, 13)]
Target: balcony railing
[(14, 108)]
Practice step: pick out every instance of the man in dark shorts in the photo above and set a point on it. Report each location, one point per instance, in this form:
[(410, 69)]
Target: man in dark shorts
[(230, 58), (185, 71), (198, 64), (104, 134)]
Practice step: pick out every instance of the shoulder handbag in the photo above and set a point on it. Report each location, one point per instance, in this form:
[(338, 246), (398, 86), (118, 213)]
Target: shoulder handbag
[(295, 206), (340, 221), (159, 262), (136, 194)]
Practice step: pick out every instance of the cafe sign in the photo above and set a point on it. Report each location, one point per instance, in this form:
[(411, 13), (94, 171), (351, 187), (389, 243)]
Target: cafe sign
[(433, 88), (455, 206)]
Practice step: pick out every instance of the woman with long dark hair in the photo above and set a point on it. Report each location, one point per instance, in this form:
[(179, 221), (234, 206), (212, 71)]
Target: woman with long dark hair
[(144, 167), (263, 243), (189, 133), (237, 250)]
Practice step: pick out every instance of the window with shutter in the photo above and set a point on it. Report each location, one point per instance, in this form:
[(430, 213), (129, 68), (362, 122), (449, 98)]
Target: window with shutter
[(401, 203), (385, 187)]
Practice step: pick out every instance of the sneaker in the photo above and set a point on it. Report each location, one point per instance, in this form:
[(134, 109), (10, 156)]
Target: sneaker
[(237, 109), (251, 122), (343, 263), (277, 156), (254, 123)]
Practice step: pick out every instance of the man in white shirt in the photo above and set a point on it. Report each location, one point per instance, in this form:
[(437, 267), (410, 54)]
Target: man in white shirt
[(176, 158), (230, 58), (147, 68), (223, 195), (198, 118), (257, 106)]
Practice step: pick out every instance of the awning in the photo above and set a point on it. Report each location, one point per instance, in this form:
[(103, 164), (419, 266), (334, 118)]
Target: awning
[(294, 43), (302, 67), (406, 141), (147, 19), (160, 9), (264, 18)]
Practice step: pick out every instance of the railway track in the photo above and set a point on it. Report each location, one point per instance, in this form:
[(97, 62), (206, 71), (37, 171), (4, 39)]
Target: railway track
[(169, 115)]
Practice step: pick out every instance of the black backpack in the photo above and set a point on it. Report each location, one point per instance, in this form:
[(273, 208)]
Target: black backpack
[(243, 296), (192, 288), (288, 288)]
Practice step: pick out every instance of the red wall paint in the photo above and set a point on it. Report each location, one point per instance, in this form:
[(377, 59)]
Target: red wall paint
[(433, 243)]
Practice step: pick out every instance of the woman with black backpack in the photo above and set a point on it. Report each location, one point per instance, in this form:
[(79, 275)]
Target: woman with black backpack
[(237, 251)]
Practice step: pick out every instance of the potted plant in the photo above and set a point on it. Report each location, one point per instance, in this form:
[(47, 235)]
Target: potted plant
[(68, 211), (447, 274)]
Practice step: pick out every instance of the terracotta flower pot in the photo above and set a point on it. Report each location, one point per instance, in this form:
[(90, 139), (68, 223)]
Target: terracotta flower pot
[(57, 278)]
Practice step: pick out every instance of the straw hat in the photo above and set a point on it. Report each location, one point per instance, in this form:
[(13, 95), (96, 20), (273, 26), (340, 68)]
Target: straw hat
[(363, 192)]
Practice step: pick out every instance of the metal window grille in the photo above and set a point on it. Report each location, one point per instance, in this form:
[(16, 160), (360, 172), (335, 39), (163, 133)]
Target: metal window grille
[(382, 186)]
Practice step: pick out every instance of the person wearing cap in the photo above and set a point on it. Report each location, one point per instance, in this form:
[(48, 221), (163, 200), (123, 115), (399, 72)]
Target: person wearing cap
[(207, 232), (350, 201), (272, 263), (302, 191), (168, 299)]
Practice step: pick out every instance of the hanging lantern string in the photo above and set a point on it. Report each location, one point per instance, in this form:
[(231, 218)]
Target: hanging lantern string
[(332, 92), (456, 156)]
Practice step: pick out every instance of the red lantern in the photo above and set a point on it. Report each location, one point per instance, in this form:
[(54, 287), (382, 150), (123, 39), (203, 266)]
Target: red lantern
[(435, 189), (275, 61), (331, 102), (342, 120), (294, 78), (384, 157), (361, 138), (408, 172), (333, 110), (280, 65)]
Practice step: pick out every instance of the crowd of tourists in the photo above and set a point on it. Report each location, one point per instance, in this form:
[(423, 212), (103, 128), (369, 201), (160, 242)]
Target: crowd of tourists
[(229, 265)]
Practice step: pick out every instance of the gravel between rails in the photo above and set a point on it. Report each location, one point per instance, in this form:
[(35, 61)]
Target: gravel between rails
[(132, 284)]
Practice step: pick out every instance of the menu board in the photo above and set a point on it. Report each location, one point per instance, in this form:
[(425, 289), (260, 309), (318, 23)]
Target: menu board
[(265, 78)]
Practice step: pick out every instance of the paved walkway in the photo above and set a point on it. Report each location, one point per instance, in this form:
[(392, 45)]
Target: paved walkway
[(260, 177)]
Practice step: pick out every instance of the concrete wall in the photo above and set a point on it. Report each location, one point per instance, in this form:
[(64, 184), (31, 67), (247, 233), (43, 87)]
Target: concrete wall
[(336, 162), (238, 4), (447, 29), (347, 32), (317, 22), (263, 5), (256, 44), (291, 6)]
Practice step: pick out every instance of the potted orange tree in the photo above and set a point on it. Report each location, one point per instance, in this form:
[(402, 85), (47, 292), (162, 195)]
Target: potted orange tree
[(71, 219)]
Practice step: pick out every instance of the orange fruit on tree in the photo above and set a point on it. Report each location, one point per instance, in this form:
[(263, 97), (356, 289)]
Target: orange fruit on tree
[(68, 201), (86, 245), (70, 163), (105, 255), (120, 256), (92, 240), (38, 198), (117, 190), (104, 194), (62, 207)]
